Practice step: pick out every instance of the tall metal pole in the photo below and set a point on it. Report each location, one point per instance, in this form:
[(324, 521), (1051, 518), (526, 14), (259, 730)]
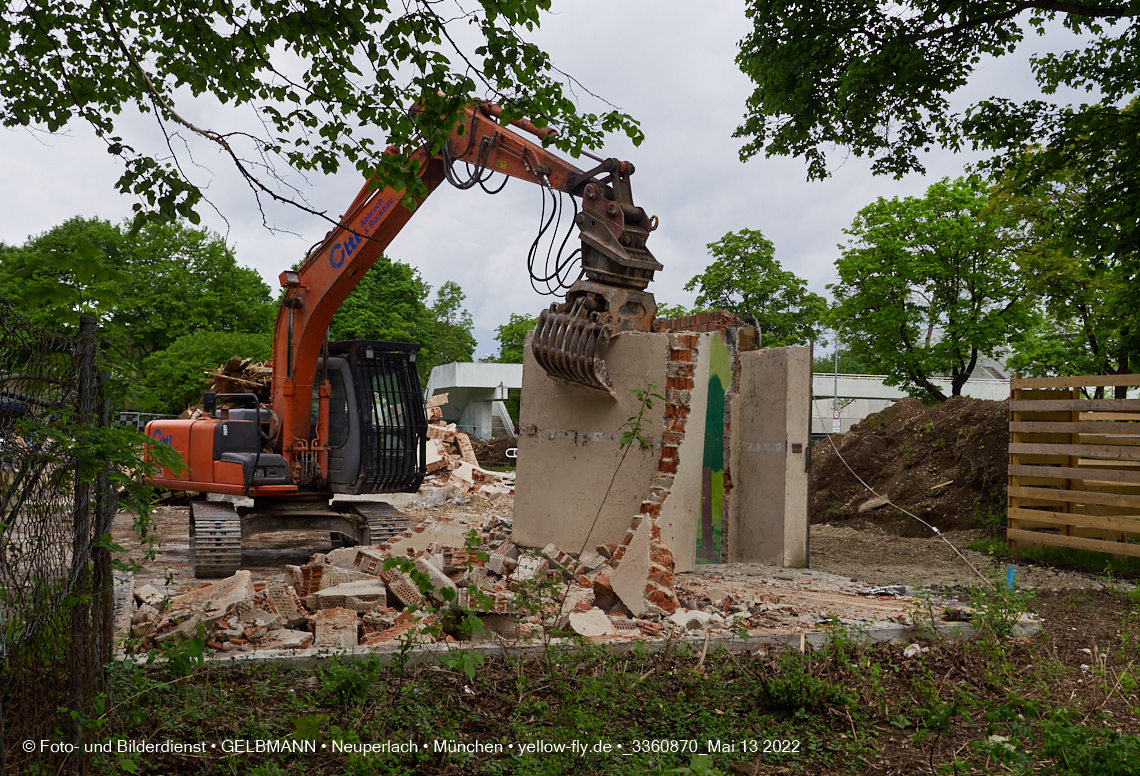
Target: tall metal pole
[(835, 401)]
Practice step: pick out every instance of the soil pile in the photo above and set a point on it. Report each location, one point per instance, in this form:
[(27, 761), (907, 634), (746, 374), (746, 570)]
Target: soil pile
[(493, 452), (946, 464)]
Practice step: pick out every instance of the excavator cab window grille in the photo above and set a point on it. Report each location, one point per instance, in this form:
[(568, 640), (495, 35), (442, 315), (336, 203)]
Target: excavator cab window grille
[(393, 424)]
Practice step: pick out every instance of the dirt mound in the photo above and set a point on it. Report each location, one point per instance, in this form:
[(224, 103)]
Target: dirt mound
[(494, 451), (946, 463)]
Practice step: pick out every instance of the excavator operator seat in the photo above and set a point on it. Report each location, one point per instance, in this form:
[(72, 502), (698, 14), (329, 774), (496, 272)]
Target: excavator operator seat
[(235, 441)]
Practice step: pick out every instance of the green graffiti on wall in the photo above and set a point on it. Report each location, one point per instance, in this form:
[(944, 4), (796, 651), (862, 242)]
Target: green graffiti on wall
[(710, 528)]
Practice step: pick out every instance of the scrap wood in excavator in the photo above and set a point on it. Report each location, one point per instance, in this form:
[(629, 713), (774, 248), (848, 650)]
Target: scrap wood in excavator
[(348, 417)]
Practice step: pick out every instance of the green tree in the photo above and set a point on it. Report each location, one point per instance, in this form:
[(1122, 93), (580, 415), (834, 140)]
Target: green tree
[(389, 303), (511, 337), (176, 377), (849, 363), (669, 312), (454, 340), (875, 77), (152, 285), (746, 279), (1085, 308), (928, 285), (349, 69)]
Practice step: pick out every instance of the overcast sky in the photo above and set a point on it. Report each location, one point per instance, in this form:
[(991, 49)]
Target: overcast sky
[(669, 64)]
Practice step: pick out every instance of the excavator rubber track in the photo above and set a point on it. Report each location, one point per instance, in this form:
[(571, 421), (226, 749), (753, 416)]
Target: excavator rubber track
[(215, 539), (384, 521), (571, 346)]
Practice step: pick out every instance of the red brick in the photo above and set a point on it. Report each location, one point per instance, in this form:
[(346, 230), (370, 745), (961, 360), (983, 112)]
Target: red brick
[(661, 577), (668, 451), (668, 466), (681, 355), (651, 509), (663, 600), (662, 556), (690, 340)]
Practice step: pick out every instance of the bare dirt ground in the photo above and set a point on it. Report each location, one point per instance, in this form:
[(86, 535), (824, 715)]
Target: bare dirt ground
[(877, 556)]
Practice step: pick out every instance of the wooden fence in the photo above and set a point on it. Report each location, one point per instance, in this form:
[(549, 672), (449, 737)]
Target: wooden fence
[(1074, 465)]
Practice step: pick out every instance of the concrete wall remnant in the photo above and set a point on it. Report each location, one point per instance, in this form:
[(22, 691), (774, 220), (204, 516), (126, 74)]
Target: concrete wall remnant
[(569, 449), (711, 487), (769, 458)]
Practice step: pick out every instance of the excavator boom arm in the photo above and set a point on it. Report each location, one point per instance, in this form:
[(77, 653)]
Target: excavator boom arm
[(616, 265)]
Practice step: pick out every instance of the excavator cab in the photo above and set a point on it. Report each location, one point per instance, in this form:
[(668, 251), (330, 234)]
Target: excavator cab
[(377, 424)]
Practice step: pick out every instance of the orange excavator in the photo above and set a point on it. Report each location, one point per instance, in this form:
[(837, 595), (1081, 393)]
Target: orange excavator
[(348, 417)]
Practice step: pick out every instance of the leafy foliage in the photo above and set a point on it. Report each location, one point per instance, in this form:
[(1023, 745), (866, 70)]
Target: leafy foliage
[(177, 376), (391, 304), (511, 337), (849, 364), (453, 324), (875, 77), (746, 279), (1085, 321), (929, 285), (327, 84), (151, 286)]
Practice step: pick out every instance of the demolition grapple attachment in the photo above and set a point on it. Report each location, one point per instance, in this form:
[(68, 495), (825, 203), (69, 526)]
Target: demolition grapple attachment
[(570, 339)]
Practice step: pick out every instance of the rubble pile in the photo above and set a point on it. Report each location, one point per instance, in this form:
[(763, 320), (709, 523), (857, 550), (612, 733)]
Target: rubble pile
[(453, 469), (237, 375), (353, 596)]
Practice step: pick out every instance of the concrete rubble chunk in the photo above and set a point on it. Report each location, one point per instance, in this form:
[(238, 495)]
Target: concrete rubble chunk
[(358, 596), (369, 561), (439, 580), (718, 597), (148, 594), (145, 613), (332, 576), (561, 560), (204, 605), (591, 623), (493, 492), (335, 629), (284, 638), (343, 557), (589, 561), (691, 619), (873, 504), (531, 567), (630, 577)]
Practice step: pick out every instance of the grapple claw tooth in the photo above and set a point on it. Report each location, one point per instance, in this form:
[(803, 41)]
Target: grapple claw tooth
[(570, 346)]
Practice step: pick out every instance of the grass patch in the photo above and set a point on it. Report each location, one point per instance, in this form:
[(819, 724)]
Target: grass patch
[(990, 545), (1084, 559)]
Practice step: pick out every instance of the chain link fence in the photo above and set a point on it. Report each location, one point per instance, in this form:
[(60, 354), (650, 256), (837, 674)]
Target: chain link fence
[(55, 578)]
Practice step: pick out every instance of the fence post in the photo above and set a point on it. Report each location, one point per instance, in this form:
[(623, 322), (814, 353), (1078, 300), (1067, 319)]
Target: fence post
[(81, 653), (107, 504)]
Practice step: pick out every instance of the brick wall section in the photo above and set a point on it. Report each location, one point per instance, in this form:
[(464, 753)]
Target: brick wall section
[(703, 322), (678, 396)]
